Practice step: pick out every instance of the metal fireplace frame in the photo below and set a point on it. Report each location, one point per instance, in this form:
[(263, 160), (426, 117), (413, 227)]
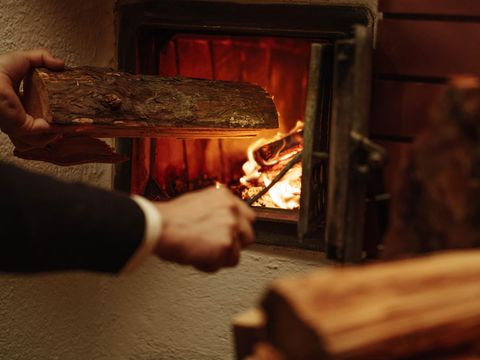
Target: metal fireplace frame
[(337, 110)]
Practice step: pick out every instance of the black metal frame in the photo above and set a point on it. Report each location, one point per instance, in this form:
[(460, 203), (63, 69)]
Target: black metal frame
[(325, 22)]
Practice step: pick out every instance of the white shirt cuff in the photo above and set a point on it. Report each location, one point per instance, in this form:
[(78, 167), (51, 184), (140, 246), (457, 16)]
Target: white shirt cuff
[(151, 234)]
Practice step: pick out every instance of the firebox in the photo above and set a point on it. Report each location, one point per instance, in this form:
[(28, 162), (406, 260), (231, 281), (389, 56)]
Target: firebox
[(307, 179)]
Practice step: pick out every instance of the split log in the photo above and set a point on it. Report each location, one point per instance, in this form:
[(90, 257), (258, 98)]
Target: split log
[(74, 150), (436, 197), (265, 351), (100, 102), (381, 311), (248, 331)]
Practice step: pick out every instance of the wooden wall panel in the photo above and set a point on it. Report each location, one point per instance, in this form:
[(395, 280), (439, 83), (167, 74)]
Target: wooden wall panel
[(401, 109), (434, 7), (427, 48)]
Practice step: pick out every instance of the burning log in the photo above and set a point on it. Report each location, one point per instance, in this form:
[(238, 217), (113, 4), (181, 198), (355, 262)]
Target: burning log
[(270, 153), (389, 310), (274, 168), (437, 194), (101, 102)]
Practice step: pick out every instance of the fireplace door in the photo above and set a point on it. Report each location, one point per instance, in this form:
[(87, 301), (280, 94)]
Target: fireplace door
[(306, 180)]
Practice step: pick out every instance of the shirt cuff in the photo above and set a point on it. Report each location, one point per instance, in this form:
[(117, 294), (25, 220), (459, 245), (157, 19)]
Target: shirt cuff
[(151, 234)]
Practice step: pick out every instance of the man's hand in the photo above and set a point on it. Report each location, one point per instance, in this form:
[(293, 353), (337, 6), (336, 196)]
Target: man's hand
[(205, 229), (24, 131)]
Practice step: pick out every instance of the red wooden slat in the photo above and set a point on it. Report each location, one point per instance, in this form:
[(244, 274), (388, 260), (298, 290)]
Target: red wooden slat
[(288, 79), (194, 58), (427, 48), (402, 108), (434, 7), (169, 170), (140, 165), (168, 60)]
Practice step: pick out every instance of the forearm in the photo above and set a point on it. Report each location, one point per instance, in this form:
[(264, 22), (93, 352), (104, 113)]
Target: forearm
[(50, 225)]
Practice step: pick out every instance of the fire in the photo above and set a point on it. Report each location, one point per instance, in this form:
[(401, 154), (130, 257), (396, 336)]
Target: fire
[(267, 158)]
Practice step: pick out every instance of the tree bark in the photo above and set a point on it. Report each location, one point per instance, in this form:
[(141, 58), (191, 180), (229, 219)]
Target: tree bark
[(105, 103)]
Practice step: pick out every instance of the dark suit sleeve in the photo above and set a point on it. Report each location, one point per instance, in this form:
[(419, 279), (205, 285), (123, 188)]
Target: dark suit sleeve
[(50, 225)]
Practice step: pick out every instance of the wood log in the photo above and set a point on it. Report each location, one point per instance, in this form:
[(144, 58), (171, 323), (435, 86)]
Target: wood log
[(265, 351), (435, 201), (74, 150), (102, 102), (269, 153), (248, 330), (387, 310)]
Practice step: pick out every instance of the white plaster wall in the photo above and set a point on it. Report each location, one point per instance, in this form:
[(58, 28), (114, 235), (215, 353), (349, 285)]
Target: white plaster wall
[(162, 311)]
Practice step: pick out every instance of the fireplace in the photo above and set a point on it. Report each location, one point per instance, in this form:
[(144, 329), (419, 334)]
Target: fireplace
[(314, 59)]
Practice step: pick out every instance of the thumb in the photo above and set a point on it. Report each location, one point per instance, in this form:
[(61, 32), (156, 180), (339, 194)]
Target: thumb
[(42, 57), (33, 126)]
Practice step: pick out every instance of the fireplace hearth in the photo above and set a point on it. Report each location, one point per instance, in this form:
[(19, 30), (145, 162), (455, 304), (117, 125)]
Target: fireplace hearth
[(315, 60)]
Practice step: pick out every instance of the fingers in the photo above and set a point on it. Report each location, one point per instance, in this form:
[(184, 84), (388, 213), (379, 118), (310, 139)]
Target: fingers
[(246, 235), (42, 57), (244, 216)]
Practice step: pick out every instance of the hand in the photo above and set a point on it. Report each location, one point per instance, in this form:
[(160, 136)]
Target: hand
[(205, 229), (24, 131)]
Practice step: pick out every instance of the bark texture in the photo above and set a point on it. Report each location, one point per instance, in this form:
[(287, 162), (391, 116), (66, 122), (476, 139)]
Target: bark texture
[(105, 103)]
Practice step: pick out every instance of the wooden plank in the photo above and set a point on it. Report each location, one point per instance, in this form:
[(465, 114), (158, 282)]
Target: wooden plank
[(396, 154), (427, 48), (434, 7), (402, 109)]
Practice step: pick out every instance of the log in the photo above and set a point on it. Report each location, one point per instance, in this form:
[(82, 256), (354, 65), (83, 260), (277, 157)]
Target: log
[(248, 331), (387, 310), (100, 102), (74, 150), (269, 153), (265, 351), (435, 200)]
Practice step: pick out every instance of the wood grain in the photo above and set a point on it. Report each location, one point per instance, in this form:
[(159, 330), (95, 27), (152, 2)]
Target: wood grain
[(401, 109), (427, 48), (382, 311), (431, 7)]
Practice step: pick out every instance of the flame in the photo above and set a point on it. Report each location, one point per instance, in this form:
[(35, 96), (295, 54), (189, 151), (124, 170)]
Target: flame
[(285, 194)]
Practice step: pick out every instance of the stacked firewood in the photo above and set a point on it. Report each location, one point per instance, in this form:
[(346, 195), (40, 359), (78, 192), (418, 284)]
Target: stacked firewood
[(424, 308), (436, 200)]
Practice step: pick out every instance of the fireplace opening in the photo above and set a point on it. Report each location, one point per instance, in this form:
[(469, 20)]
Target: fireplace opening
[(314, 61), (175, 166)]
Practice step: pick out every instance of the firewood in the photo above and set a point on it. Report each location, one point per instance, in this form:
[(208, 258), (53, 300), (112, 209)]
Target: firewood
[(269, 153), (265, 351), (436, 198), (381, 311), (102, 102), (248, 330), (74, 150)]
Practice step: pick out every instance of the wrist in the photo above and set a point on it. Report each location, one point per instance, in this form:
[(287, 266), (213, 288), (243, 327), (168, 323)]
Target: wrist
[(152, 232)]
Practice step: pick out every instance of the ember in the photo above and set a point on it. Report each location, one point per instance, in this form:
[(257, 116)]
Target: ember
[(267, 158)]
